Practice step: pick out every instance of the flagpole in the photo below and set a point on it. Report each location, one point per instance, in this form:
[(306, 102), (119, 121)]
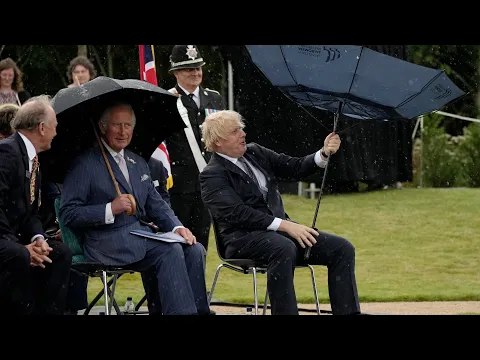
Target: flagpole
[(230, 86)]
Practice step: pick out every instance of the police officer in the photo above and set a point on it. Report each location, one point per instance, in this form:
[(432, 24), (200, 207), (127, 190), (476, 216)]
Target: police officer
[(186, 148)]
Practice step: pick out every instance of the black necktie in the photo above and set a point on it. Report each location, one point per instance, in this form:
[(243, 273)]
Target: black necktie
[(249, 170), (193, 101)]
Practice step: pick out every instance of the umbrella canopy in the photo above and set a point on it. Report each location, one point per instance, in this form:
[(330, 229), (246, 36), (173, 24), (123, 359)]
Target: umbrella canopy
[(79, 108), (368, 84)]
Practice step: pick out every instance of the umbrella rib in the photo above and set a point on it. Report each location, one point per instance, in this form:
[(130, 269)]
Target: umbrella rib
[(296, 83), (406, 101), (356, 68)]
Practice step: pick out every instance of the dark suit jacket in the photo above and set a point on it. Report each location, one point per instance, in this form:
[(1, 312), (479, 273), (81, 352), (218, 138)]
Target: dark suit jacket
[(86, 191), (160, 174), (184, 168), (236, 203), (18, 219)]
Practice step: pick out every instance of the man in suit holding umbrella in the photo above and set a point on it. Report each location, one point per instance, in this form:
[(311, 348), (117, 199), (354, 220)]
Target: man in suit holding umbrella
[(240, 187), (172, 273), (186, 148)]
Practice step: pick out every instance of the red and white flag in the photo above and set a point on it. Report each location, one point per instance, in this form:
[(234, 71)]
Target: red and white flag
[(148, 73)]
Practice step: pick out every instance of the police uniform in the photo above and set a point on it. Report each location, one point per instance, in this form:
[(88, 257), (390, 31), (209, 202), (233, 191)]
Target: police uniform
[(185, 194)]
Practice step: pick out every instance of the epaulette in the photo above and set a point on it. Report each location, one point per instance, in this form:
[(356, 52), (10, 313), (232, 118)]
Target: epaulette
[(215, 91)]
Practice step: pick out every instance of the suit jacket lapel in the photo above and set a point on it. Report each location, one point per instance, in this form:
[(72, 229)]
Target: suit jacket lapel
[(26, 164), (234, 168), (133, 174), (115, 168), (188, 103), (254, 163)]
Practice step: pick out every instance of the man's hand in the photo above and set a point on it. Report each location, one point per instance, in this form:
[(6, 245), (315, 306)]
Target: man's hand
[(187, 235), (120, 204), (331, 144), (301, 233), (39, 251)]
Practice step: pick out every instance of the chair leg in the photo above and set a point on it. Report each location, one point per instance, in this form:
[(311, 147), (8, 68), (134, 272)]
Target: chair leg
[(140, 303), (255, 294), (105, 292), (266, 302), (215, 278), (315, 293), (97, 298), (112, 292)]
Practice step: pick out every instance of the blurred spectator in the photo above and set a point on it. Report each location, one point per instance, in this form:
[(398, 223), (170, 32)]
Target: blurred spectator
[(11, 83), (80, 70), (7, 113)]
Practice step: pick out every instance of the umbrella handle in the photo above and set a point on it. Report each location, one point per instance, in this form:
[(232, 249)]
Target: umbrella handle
[(130, 197)]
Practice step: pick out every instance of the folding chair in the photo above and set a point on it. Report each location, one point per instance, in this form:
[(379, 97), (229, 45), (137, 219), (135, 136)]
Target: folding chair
[(95, 269), (247, 266)]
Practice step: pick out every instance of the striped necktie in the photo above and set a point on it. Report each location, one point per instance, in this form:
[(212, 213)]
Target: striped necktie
[(33, 177)]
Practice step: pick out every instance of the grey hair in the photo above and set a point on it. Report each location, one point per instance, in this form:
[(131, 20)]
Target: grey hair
[(108, 111), (31, 113)]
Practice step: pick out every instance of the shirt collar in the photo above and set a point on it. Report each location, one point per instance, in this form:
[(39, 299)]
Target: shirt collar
[(30, 148), (233, 160), (196, 92), (111, 151)]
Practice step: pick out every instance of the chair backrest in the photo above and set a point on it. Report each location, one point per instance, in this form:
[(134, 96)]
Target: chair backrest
[(218, 242), (70, 239)]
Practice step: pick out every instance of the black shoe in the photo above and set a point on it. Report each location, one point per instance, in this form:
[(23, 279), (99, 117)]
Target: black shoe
[(209, 313)]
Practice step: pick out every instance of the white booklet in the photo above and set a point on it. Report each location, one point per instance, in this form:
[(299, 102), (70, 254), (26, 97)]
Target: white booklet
[(167, 237)]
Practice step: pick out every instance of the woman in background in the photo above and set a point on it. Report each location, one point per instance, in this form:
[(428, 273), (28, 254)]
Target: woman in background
[(11, 83)]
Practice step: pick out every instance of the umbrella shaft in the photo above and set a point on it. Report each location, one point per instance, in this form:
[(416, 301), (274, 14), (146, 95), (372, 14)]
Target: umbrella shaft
[(335, 122)]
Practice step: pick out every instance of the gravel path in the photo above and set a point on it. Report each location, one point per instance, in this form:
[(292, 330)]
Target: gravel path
[(396, 308)]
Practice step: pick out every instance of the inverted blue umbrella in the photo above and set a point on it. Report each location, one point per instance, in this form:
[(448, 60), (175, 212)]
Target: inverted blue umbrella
[(354, 81)]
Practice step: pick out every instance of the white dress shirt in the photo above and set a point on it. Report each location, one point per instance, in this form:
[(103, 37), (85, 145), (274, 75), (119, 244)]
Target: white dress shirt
[(263, 182)]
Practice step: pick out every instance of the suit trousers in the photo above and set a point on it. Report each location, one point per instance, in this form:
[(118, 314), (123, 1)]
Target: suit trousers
[(32, 290), (173, 276), (77, 293), (282, 253), (193, 214)]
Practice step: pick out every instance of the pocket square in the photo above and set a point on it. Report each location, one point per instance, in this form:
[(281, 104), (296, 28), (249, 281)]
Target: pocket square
[(144, 177)]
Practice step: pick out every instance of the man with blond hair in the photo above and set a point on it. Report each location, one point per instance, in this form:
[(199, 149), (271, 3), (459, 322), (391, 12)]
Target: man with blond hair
[(239, 186), (33, 273)]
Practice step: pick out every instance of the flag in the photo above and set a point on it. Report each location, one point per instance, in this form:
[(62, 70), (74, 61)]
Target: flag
[(148, 73)]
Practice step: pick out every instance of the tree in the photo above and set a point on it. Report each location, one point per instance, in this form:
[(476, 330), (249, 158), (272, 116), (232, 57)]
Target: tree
[(82, 50)]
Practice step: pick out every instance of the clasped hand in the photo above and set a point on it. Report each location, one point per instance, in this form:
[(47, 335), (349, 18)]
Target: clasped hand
[(39, 251)]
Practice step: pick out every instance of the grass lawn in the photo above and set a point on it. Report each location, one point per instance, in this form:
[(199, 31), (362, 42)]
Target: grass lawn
[(411, 245)]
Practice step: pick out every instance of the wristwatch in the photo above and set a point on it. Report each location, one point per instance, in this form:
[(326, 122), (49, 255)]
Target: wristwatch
[(323, 153)]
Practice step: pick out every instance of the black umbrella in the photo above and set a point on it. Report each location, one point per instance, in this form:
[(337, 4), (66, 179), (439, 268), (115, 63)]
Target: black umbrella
[(79, 108), (354, 81)]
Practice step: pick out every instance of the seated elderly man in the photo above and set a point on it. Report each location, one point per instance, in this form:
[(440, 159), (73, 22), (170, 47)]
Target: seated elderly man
[(240, 187), (173, 274)]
